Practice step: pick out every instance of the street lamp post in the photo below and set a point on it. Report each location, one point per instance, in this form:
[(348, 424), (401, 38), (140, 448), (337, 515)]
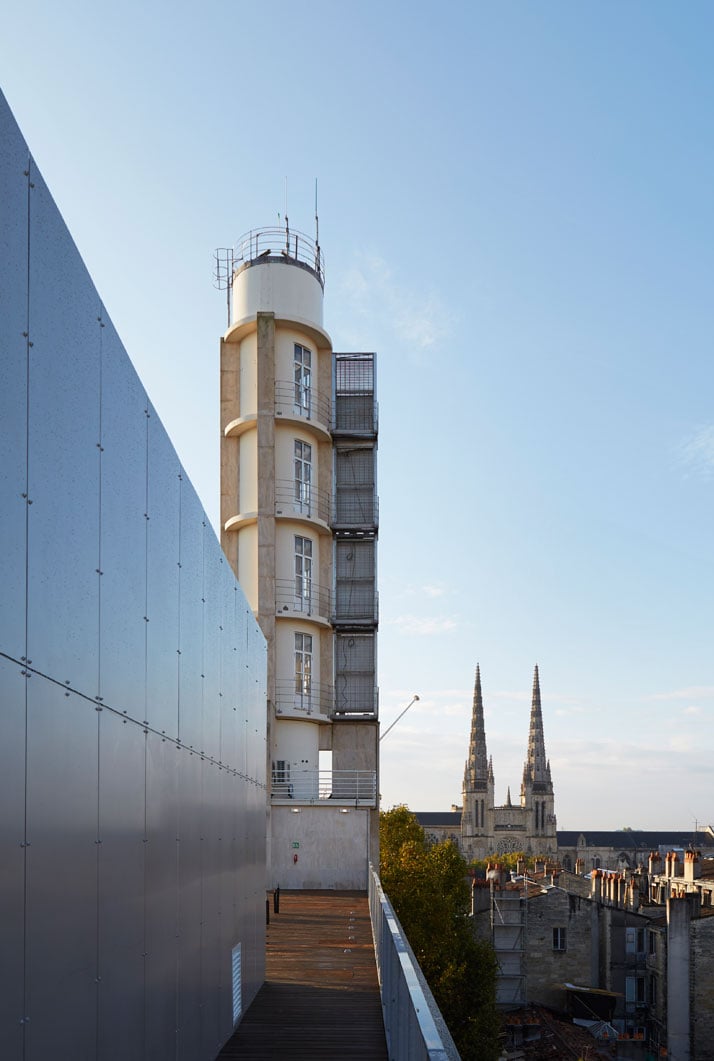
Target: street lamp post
[(401, 715)]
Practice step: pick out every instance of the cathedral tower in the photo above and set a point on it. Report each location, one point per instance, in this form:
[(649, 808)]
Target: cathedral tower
[(477, 818), (537, 786)]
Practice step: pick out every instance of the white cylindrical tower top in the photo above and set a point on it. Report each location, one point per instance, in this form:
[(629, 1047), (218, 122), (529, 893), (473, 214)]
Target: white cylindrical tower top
[(277, 270)]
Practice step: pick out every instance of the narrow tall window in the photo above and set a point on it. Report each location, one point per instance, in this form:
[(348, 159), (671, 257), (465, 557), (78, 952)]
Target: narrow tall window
[(303, 670), (303, 475), (302, 368), (303, 573), (558, 939)]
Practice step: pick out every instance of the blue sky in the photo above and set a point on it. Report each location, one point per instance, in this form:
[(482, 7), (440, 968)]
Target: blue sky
[(516, 211)]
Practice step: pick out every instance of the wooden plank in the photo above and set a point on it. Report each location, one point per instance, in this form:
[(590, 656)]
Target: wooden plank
[(320, 999)]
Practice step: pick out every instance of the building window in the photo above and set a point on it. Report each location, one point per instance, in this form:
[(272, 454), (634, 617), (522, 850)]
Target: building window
[(652, 942), (635, 941), (303, 669), (303, 573), (558, 939), (303, 475), (302, 367), (653, 990)]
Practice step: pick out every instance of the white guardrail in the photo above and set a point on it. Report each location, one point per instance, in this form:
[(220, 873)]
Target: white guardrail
[(413, 1024)]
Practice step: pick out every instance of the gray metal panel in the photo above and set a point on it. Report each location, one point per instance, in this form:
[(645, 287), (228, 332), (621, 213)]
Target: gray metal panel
[(121, 884), (256, 692), (12, 856), (189, 905), (95, 903), (229, 882), (62, 785), (163, 581), (192, 531), (123, 530), (210, 941), (161, 899), (214, 564), (63, 461), (244, 686), (13, 381), (230, 661)]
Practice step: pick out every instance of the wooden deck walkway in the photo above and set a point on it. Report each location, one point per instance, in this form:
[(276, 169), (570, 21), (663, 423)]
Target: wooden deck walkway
[(320, 999)]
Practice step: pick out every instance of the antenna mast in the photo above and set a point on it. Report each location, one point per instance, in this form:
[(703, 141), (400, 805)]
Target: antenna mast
[(317, 233)]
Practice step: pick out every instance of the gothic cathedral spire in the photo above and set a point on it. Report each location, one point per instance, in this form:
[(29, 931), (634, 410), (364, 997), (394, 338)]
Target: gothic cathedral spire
[(536, 768), (477, 767), (477, 813), (537, 797)]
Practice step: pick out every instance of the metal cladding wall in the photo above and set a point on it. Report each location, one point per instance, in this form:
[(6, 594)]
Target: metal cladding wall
[(132, 690)]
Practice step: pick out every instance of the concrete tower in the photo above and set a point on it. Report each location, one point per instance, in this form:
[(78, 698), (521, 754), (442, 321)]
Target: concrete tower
[(537, 786), (298, 515)]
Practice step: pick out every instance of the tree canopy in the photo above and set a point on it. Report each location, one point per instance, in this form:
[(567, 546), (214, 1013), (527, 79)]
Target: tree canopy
[(428, 888)]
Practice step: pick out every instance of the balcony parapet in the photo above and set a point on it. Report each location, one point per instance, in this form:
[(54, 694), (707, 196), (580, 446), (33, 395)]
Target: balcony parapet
[(299, 598), (301, 406), (307, 504), (333, 787), (413, 1023), (296, 698)]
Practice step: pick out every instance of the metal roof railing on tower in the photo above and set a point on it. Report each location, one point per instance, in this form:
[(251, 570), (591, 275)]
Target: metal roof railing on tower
[(279, 244)]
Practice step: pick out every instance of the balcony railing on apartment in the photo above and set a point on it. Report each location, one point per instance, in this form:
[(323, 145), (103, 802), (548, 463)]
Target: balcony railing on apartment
[(300, 596), (299, 499), (295, 696), (320, 786), (295, 400)]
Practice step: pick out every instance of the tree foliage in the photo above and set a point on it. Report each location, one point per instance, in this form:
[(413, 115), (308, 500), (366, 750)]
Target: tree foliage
[(427, 886), (509, 860)]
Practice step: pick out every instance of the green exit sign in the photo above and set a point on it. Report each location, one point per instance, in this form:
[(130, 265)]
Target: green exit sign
[(295, 843)]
